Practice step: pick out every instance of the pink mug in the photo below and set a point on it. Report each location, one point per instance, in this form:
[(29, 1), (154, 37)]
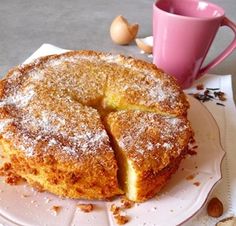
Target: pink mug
[(183, 32)]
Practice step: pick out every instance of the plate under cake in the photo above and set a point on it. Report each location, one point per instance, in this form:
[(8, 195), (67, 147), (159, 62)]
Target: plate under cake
[(53, 127)]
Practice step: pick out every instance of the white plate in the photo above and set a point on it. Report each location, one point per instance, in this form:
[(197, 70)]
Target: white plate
[(179, 200)]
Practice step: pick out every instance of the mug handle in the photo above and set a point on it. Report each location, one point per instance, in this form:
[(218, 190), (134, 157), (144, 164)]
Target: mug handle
[(225, 53)]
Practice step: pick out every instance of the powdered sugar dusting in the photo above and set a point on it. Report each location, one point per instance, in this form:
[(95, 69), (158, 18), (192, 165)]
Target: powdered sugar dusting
[(49, 103), (4, 123), (152, 88), (36, 75), (150, 132), (71, 59), (52, 142), (54, 129), (112, 58), (168, 146), (20, 98), (160, 92), (146, 87), (15, 75), (52, 120)]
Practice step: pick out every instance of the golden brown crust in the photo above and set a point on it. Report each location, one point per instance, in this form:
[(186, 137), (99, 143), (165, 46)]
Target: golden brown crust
[(145, 88), (150, 140), (88, 179), (166, 96), (153, 143), (46, 127), (50, 117), (151, 182)]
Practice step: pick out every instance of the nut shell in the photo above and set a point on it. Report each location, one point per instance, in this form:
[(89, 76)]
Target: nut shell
[(215, 207)]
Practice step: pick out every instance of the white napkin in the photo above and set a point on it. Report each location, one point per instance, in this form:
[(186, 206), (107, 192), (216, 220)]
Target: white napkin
[(225, 117), (44, 50)]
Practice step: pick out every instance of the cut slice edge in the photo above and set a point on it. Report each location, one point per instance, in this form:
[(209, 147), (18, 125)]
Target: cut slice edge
[(140, 185)]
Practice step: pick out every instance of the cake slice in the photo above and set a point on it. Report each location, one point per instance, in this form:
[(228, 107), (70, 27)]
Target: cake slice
[(149, 148)]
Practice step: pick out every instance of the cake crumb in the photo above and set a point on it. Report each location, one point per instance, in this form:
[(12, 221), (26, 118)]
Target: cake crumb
[(6, 166), (56, 209), (192, 152), (37, 187), (10, 176), (121, 219), (25, 196), (196, 183), (115, 209), (126, 203), (13, 179), (200, 86), (85, 207), (190, 177)]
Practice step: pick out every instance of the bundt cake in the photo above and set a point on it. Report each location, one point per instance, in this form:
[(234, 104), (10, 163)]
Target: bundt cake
[(75, 124)]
